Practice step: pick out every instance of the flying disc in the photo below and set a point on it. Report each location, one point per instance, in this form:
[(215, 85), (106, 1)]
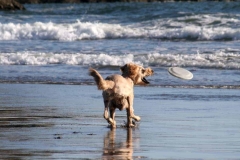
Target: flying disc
[(180, 73)]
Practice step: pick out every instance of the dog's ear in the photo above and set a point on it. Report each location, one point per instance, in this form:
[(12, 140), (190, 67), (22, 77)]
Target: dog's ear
[(123, 68), (132, 69)]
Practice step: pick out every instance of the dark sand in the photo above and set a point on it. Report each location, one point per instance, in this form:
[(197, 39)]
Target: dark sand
[(65, 122)]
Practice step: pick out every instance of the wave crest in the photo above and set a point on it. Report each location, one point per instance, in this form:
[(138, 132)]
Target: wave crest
[(215, 60), (94, 30), (31, 58)]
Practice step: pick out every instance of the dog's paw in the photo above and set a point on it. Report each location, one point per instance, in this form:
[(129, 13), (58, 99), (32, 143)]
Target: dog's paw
[(113, 125), (136, 118), (130, 125), (112, 122)]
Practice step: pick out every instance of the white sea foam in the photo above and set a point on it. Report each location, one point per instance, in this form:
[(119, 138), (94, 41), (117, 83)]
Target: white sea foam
[(94, 30), (215, 60), (30, 58)]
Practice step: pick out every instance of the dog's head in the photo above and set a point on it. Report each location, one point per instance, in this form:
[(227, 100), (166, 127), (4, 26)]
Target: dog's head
[(136, 73)]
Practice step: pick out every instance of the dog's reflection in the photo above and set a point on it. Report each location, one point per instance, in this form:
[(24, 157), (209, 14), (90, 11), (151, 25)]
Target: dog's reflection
[(115, 149)]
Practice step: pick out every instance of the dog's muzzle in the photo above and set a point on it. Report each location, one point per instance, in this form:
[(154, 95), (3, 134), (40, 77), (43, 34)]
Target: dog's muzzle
[(145, 80)]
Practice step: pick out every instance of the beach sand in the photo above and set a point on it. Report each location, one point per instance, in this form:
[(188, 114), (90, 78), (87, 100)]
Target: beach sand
[(39, 121)]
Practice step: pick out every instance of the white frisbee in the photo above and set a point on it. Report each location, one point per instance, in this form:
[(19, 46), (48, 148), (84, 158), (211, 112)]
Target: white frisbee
[(180, 73)]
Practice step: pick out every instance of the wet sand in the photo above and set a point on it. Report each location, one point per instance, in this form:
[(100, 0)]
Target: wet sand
[(65, 122)]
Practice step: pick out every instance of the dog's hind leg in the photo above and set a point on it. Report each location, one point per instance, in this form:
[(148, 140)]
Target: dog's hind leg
[(107, 105), (105, 114), (112, 115)]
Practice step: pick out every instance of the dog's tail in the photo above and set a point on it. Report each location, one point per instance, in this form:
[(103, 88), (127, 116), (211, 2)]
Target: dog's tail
[(102, 84)]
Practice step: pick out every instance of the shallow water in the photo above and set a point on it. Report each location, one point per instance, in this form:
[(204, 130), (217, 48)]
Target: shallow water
[(65, 122)]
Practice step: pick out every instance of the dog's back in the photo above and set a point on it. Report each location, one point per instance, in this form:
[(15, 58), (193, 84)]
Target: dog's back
[(123, 87)]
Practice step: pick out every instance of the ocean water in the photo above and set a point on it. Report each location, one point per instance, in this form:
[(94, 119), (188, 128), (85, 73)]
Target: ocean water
[(180, 119), (57, 43)]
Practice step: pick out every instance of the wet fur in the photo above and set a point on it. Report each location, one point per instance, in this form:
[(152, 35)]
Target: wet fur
[(118, 90)]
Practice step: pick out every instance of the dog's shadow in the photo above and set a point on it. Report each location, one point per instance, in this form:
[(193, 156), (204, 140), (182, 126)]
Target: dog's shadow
[(120, 147)]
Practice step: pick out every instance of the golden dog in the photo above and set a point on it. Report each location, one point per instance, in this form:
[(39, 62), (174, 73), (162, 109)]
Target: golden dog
[(118, 90)]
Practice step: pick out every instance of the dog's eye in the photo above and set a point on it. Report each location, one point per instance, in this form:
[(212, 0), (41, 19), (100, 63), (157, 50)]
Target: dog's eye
[(143, 70)]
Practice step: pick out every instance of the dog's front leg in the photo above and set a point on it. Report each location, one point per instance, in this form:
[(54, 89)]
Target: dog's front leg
[(130, 112), (136, 118), (129, 119)]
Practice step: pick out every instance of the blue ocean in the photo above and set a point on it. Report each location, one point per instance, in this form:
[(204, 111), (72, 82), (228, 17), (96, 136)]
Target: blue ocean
[(50, 107), (57, 43)]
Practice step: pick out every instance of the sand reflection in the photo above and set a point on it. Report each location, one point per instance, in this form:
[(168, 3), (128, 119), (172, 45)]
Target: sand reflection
[(118, 148)]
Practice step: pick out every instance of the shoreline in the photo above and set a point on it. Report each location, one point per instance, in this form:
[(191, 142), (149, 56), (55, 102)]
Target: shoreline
[(65, 122), (230, 87)]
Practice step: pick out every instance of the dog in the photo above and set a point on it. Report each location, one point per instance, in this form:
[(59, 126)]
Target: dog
[(118, 90)]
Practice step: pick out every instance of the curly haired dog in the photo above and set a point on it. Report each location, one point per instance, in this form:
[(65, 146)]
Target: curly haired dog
[(118, 90)]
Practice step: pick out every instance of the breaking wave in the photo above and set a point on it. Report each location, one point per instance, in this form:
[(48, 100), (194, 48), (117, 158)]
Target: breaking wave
[(216, 60), (94, 30)]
